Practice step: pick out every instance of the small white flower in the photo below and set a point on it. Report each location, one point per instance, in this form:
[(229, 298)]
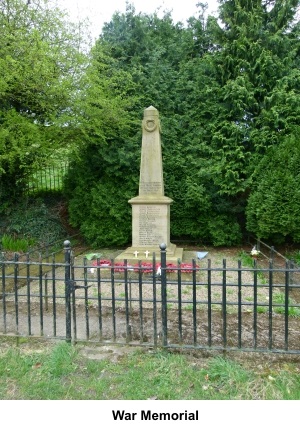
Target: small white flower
[(254, 252)]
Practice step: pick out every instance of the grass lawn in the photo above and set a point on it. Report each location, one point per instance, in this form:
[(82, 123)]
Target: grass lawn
[(45, 370)]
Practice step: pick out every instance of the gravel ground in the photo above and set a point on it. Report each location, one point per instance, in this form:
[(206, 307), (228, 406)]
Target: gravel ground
[(140, 292), (86, 274)]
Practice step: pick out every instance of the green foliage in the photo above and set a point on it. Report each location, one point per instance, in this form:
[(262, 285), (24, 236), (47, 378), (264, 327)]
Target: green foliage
[(279, 300), (31, 223), (224, 230), (227, 90), (257, 69), (49, 177), (294, 256), (246, 259), (16, 244), (40, 64), (150, 61), (103, 213), (274, 203), (101, 180)]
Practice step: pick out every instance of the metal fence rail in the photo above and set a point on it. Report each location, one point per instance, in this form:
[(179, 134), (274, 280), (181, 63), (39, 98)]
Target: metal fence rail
[(190, 306), (50, 178)]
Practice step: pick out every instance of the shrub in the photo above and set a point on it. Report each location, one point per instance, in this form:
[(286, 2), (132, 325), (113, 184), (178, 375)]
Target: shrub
[(274, 204), (16, 244), (34, 221)]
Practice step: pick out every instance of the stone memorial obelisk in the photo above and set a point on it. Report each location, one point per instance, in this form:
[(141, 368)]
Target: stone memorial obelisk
[(151, 208)]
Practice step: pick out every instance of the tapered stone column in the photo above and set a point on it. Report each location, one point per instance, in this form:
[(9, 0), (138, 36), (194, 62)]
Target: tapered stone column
[(151, 208)]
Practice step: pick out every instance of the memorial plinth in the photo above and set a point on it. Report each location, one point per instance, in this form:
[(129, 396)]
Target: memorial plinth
[(151, 208)]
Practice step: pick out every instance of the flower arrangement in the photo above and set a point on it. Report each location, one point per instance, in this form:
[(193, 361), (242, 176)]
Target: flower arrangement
[(145, 267), (255, 252)]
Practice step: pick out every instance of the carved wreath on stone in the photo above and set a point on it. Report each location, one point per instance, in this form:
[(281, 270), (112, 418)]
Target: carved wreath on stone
[(150, 124)]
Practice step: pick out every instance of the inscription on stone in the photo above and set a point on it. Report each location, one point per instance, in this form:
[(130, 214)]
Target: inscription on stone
[(149, 225), (150, 187)]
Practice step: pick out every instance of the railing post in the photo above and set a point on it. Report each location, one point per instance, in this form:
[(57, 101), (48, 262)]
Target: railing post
[(163, 262), (291, 267), (67, 251), (258, 244), (272, 253)]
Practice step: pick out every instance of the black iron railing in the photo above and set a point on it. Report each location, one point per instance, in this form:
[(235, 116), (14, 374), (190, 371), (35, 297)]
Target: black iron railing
[(193, 305), (50, 178)]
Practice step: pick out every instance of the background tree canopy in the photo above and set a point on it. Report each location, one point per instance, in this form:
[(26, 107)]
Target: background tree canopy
[(41, 67), (273, 207), (227, 91)]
